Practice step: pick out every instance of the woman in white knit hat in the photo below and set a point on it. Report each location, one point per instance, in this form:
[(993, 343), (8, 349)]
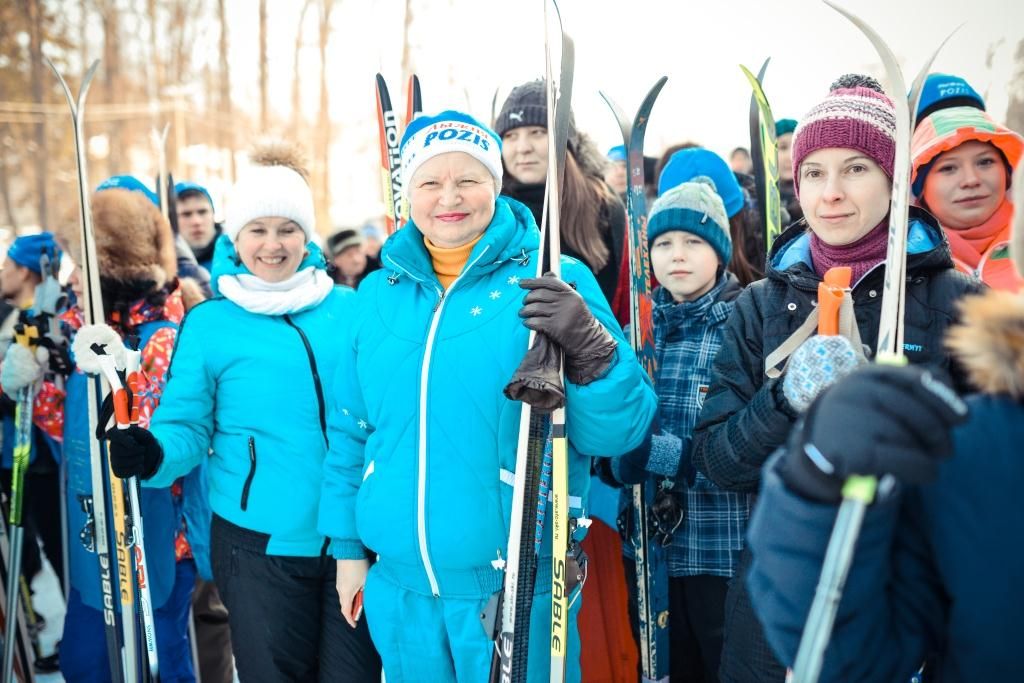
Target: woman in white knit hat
[(249, 382), (423, 437)]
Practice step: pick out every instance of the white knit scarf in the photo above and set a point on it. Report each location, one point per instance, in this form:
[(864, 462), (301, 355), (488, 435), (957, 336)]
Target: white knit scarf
[(306, 289)]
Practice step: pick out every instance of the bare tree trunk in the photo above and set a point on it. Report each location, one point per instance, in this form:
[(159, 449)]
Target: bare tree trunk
[(5, 187), (406, 52), (109, 15), (322, 194), (35, 51), (296, 73), (155, 82), (1015, 108), (83, 42), (228, 139), (264, 114)]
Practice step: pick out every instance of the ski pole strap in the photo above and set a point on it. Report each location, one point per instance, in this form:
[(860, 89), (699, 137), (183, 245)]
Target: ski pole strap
[(847, 328)]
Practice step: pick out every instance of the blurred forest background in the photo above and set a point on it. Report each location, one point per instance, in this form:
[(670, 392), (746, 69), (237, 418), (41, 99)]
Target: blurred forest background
[(170, 62)]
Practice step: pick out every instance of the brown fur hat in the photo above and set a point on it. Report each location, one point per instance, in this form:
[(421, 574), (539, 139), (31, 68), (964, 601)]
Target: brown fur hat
[(134, 243), (989, 342)]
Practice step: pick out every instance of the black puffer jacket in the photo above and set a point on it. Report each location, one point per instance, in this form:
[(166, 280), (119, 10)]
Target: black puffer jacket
[(745, 417)]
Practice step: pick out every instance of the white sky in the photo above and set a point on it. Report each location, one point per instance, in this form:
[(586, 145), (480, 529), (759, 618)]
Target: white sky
[(463, 49)]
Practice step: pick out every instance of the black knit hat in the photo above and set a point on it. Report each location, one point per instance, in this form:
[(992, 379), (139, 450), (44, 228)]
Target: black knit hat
[(527, 105), (342, 240)]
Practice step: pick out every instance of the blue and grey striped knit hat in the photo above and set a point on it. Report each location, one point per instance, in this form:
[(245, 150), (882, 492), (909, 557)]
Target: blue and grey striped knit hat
[(693, 207)]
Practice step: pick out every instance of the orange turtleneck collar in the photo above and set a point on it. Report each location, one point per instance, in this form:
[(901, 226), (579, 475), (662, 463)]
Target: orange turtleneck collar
[(449, 262)]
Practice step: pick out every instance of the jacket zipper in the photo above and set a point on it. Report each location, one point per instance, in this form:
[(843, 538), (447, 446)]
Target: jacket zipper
[(252, 473), (316, 377), (421, 484)]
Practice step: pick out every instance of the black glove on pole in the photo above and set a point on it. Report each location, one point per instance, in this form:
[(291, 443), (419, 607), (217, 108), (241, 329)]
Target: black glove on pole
[(556, 309), (134, 452), (879, 420)]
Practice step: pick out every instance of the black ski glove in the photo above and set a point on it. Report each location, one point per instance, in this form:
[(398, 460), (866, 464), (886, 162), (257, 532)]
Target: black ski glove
[(556, 309), (134, 452), (879, 420), (537, 380)]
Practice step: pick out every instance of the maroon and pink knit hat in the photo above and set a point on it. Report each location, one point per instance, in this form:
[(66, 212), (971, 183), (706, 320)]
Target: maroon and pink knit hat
[(857, 117)]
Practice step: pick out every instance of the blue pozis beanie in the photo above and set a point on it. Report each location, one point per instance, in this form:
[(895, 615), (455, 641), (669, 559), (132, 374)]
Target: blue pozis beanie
[(693, 207), (942, 91), (27, 249), (687, 164), (129, 182)]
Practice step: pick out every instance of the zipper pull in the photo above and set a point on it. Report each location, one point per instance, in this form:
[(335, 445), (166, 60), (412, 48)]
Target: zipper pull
[(440, 299)]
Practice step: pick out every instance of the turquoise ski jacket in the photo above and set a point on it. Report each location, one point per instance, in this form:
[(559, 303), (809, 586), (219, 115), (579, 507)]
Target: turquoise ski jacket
[(423, 441), (250, 390)]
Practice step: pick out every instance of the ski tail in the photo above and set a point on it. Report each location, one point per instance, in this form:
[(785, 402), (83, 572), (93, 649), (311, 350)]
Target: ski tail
[(390, 157), (652, 597), (756, 155), (765, 155), (92, 307), (413, 99), (559, 98)]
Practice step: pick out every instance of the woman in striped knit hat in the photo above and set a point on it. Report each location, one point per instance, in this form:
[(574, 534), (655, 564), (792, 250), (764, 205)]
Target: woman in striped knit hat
[(843, 155)]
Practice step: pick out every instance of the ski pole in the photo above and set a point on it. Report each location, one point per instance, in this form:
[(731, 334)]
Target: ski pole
[(21, 663), (100, 351), (22, 448), (133, 365)]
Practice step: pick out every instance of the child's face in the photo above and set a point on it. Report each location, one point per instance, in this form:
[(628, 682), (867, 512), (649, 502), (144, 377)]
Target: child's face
[(685, 265)]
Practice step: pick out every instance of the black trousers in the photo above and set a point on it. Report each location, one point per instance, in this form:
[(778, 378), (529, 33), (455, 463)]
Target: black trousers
[(286, 624), (746, 655), (696, 623)]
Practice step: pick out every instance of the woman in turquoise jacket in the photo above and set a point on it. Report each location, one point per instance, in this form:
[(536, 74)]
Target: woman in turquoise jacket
[(248, 386), (423, 440)]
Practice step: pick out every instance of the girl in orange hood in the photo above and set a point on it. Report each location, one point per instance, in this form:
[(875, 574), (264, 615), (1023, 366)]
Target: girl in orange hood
[(963, 162)]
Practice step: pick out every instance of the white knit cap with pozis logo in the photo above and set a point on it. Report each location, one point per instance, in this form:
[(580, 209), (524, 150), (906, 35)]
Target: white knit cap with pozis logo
[(450, 131), (272, 186)]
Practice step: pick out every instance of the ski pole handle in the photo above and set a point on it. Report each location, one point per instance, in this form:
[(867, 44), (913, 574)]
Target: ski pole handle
[(830, 298), (133, 378), (118, 394)]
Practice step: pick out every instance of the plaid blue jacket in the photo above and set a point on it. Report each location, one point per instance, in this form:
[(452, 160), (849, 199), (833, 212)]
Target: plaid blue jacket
[(687, 337)]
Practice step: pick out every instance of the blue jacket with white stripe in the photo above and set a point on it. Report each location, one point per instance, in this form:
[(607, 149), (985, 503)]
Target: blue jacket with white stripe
[(422, 439)]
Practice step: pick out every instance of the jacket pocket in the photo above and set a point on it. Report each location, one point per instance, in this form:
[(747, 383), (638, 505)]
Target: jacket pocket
[(252, 473)]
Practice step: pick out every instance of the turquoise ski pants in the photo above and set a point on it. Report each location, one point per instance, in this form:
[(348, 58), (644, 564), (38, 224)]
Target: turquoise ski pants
[(423, 638)]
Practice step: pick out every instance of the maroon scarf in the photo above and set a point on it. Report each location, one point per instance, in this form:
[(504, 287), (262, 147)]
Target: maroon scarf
[(861, 256)]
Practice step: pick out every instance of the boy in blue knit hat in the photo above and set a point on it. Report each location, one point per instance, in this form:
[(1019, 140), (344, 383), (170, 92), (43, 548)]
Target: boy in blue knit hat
[(700, 525)]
